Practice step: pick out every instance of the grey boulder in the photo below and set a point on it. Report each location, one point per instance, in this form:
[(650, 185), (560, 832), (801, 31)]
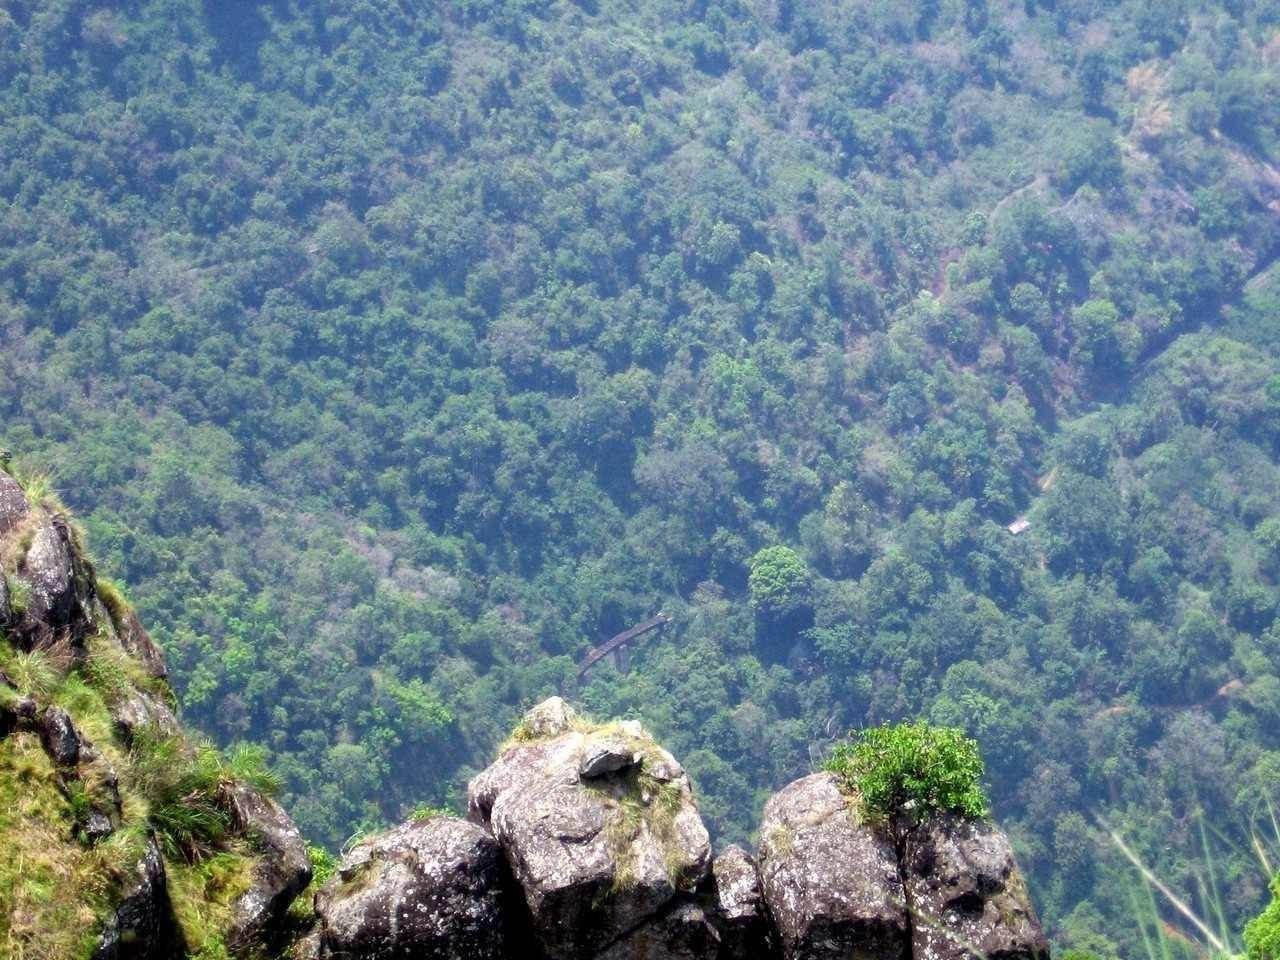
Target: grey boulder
[(830, 881), (13, 503), (282, 870), (967, 894), (142, 926), (738, 908), (137, 710), (47, 569), (596, 858), (607, 756), (430, 890), (138, 643), (60, 738)]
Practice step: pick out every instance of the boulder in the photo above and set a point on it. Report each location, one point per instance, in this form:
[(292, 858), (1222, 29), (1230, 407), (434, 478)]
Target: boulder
[(13, 503), (428, 889), (830, 881), (47, 568), (550, 718), (138, 643), (607, 756), (967, 895), (138, 709), (598, 858), (737, 906), (97, 826), (60, 738), (6, 606), (142, 926), (282, 870)]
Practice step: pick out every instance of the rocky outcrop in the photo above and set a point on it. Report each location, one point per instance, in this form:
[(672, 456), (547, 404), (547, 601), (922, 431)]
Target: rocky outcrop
[(142, 926), (280, 873), (60, 737), (601, 833), (140, 709), (13, 503), (738, 907), (48, 571), (831, 883), (966, 894), (429, 890), (139, 645), (53, 608)]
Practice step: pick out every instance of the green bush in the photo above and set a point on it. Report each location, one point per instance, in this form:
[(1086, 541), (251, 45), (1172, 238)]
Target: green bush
[(912, 768), (1262, 933)]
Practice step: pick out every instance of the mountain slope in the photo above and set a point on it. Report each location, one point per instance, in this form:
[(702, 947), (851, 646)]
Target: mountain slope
[(396, 356)]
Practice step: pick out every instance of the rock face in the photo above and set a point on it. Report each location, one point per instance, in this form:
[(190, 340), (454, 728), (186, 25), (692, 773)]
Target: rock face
[(429, 890), (831, 883), (142, 927), (47, 568), (601, 833), (59, 736), (739, 907), (967, 895), (139, 709), (138, 643), (279, 875), (13, 503)]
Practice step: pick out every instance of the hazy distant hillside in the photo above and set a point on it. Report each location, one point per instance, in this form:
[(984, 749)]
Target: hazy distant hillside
[(396, 354)]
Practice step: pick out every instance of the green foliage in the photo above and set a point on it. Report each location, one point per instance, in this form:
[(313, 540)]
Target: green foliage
[(426, 811), (553, 316), (182, 785), (778, 581), (911, 769), (1262, 933)]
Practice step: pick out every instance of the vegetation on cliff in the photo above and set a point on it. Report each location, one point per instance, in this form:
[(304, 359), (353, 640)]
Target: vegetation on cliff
[(94, 769), (911, 770), (395, 355)]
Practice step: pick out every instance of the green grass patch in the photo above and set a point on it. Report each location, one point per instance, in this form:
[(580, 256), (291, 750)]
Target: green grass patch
[(54, 893), (113, 598), (425, 811), (203, 893), (35, 673), (19, 594)]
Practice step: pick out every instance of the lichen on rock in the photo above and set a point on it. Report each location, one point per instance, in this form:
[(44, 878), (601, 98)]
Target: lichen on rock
[(830, 880), (429, 889), (595, 857)]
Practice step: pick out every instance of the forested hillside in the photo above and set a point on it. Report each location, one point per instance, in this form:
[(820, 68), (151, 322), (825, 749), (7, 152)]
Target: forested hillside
[(396, 354)]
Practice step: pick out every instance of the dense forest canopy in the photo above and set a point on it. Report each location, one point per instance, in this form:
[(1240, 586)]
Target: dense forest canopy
[(398, 353)]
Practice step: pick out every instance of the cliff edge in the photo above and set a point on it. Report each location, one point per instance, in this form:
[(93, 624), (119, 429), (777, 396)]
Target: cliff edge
[(122, 837)]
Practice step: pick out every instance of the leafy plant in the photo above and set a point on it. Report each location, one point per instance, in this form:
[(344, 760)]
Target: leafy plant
[(913, 769), (1262, 933), (181, 784)]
